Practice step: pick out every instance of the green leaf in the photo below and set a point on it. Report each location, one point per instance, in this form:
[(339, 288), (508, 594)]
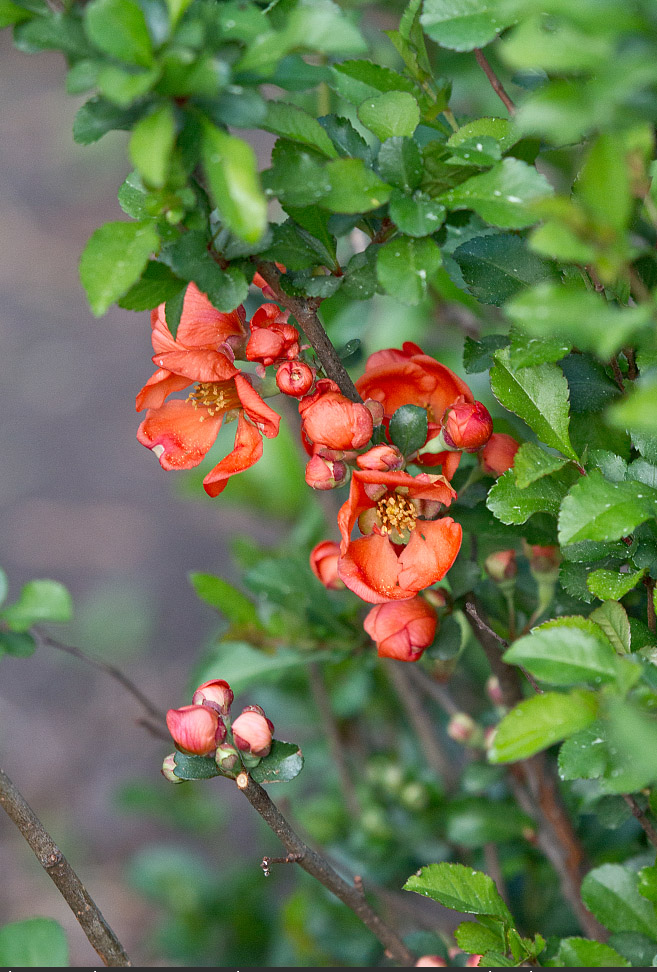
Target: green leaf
[(583, 952), (475, 939), (232, 172), (405, 266), (511, 504), (473, 822), (151, 145), (321, 26), (637, 412), (346, 139), (611, 584), (34, 943), (189, 767), (400, 163), (526, 352), (114, 259), (497, 267), (603, 184), (612, 618), (557, 241), (502, 195), (538, 722), (157, 285), (297, 177), (532, 463), (98, 116), (648, 883), (4, 586), (219, 594), (409, 428), (358, 80), (596, 509), (283, 763), (122, 87), (566, 651), (296, 124), (584, 756), (632, 735), (417, 215), (56, 31), (390, 115), (17, 643), (498, 129), (582, 317), (353, 187), (478, 355), (242, 665), (118, 28), (461, 889), (10, 14), (611, 893), (462, 25), (39, 601), (539, 396)]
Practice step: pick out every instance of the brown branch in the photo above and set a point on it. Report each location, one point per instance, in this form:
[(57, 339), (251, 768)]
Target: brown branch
[(648, 826), (491, 642), (649, 583), (305, 311), (323, 705), (425, 683), (100, 935), (315, 865), (618, 374), (495, 82)]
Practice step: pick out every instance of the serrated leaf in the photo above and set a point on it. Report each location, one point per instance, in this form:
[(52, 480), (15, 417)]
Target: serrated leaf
[(532, 463), (584, 756), (114, 259), (405, 266), (189, 767), (539, 722), (511, 504), (462, 25), (566, 651), (232, 171), (39, 601), (612, 584), (358, 80), (400, 163), (611, 893), (284, 763), (417, 215), (461, 889), (596, 509), (612, 618), (98, 116), (473, 938), (34, 943), (498, 129), (151, 144), (118, 27), (156, 286), (586, 953), (527, 352), (409, 428), (501, 196), (390, 115), (478, 355), (297, 125), (353, 187), (219, 594), (345, 138), (496, 267), (539, 396)]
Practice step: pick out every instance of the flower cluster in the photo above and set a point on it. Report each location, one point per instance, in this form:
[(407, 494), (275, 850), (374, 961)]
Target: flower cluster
[(205, 728)]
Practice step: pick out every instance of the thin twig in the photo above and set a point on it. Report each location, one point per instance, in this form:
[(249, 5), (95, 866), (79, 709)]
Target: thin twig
[(434, 690), (100, 935), (323, 704), (489, 640), (649, 583), (305, 311), (495, 82), (648, 827), (320, 869), (492, 861), (618, 374), (632, 370), (421, 722)]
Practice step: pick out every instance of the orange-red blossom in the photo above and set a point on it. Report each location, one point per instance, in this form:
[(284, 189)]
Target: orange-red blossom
[(181, 432), (468, 426), (404, 548), (498, 454), (402, 629), (330, 419), (324, 564)]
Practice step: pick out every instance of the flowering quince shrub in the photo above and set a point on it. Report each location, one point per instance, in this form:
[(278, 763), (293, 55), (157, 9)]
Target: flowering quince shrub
[(419, 336)]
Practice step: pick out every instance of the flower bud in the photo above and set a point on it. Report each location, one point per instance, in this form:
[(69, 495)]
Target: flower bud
[(468, 426), (330, 419), (268, 344), (402, 629), (376, 410), (431, 960), (324, 564), (494, 690), (252, 731), (501, 566), (226, 758), (463, 729), (544, 560), (382, 458), (498, 454), (439, 599), (217, 694), (196, 729), (473, 961), (294, 378), (325, 473), (168, 766)]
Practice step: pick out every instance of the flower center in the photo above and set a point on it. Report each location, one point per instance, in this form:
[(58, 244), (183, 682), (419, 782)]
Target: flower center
[(396, 513), (216, 396)]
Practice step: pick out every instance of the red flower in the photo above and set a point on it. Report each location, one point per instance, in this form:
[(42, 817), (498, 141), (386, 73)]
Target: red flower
[(271, 336), (411, 377), (332, 420), (498, 454), (324, 564), (217, 694), (324, 473), (182, 432), (196, 729), (253, 731), (401, 553), (402, 629), (294, 378), (383, 457), (467, 425)]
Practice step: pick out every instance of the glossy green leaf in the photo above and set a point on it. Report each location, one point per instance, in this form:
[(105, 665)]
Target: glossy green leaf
[(532, 463), (473, 822), (498, 129), (512, 504), (283, 764), (118, 28), (566, 651), (390, 115), (353, 187), (596, 509), (219, 594), (584, 756), (462, 25), (151, 145), (114, 259), (121, 86), (417, 215), (400, 163), (98, 116), (611, 893), (409, 428), (405, 266), (632, 735), (461, 889), (34, 943), (612, 618), (321, 25), (156, 286), (11, 13), (39, 601), (297, 125), (586, 953), (358, 80), (501, 196), (539, 722), (539, 396), (612, 584), (297, 176), (476, 939), (20, 644), (497, 267), (232, 172), (189, 767), (527, 352), (638, 411), (603, 184), (648, 883)]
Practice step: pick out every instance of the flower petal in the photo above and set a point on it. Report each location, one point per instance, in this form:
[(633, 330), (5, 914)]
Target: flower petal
[(158, 386), (246, 452), (430, 553), (179, 434), (202, 325), (264, 417), (197, 365), (370, 569)]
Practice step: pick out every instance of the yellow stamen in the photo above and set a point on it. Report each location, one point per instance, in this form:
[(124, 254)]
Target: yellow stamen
[(216, 396), (396, 513)]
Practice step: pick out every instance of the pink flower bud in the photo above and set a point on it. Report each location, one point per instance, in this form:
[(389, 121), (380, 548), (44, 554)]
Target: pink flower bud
[(494, 690), (324, 564), (498, 454), (325, 473), (252, 731), (217, 694), (431, 960), (196, 729), (544, 560), (467, 425), (402, 629), (473, 961), (501, 566), (294, 378), (439, 599), (168, 766), (462, 728), (383, 458)]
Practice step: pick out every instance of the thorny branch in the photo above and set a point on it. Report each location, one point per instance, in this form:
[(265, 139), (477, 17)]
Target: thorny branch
[(100, 935)]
